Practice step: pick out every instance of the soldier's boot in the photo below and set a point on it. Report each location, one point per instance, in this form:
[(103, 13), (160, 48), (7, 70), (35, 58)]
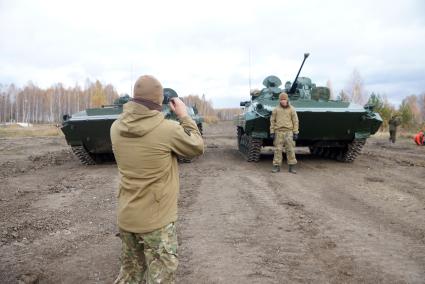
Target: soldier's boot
[(275, 169), (291, 169)]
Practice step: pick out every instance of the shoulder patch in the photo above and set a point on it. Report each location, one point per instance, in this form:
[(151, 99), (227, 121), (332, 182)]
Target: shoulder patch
[(187, 131)]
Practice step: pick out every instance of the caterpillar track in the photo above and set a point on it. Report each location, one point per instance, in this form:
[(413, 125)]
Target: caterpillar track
[(347, 154), (84, 156), (249, 147)]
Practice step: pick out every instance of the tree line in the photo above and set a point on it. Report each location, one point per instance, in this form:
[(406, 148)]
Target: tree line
[(227, 113), (204, 106), (32, 104), (411, 110)]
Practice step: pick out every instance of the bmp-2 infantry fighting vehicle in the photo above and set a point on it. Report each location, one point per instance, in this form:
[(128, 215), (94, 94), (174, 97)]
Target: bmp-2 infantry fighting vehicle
[(88, 131), (331, 129)]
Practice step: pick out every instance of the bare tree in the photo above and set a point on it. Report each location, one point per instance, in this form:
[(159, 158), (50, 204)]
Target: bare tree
[(227, 113), (35, 105), (343, 96), (421, 104), (355, 88), (331, 90)]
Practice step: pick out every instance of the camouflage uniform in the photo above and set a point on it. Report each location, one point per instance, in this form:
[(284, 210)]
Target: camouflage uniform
[(146, 146), (284, 124), (393, 123), (148, 257), (284, 140)]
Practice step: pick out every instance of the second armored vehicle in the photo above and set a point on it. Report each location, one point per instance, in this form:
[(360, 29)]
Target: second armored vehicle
[(88, 131), (330, 128)]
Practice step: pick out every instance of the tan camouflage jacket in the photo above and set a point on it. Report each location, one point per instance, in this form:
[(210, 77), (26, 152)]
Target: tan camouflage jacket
[(145, 146), (284, 119)]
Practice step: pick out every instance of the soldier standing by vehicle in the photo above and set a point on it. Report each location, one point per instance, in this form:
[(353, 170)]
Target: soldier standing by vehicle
[(284, 130), (393, 123), (146, 146)]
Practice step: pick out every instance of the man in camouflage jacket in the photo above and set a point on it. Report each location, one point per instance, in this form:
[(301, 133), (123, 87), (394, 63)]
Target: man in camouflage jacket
[(284, 130), (146, 146)]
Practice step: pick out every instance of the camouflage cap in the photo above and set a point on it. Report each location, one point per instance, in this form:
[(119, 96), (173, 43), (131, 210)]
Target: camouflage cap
[(147, 87), (255, 92)]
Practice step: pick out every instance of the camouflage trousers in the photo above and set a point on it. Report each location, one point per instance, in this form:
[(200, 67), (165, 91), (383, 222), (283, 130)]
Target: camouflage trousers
[(148, 257), (393, 135), (284, 140)]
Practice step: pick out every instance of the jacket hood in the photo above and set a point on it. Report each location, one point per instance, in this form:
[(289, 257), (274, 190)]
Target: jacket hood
[(137, 120)]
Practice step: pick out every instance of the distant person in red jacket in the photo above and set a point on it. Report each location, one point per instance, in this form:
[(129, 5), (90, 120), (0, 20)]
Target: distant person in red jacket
[(420, 138)]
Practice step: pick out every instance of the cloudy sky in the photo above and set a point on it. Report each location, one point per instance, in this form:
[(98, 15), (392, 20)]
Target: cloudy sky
[(205, 47)]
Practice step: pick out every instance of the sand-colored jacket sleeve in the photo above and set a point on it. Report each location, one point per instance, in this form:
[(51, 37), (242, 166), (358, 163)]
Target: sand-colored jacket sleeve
[(273, 121), (187, 141), (295, 121)]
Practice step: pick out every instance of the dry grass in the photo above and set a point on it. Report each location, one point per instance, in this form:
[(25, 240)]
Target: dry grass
[(407, 135), (34, 131), (401, 133), (210, 119)]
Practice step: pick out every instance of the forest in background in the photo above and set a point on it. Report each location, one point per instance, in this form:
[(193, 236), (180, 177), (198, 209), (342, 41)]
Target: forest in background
[(411, 110), (32, 104)]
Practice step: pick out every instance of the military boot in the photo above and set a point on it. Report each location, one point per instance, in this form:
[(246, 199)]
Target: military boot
[(275, 169), (291, 169)]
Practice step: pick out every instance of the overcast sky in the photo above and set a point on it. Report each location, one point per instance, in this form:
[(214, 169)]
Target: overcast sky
[(203, 47)]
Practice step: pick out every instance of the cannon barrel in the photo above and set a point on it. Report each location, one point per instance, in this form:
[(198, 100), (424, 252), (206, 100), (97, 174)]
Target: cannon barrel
[(294, 85)]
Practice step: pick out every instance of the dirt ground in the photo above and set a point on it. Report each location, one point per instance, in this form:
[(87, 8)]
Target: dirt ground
[(239, 223)]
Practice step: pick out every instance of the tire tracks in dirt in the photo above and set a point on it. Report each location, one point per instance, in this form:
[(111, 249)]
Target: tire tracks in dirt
[(328, 224), (51, 221), (375, 246), (238, 223)]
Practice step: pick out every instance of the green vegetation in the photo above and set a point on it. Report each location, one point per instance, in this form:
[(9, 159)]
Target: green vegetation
[(411, 111)]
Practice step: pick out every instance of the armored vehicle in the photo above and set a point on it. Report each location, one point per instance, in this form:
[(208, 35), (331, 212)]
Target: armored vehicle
[(88, 131), (329, 128)]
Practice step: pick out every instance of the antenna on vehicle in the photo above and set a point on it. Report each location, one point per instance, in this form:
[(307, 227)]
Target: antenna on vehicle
[(249, 68), (131, 80)]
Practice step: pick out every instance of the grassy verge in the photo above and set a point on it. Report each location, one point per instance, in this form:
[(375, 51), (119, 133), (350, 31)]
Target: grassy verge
[(401, 133), (34, 131), (210, 119)]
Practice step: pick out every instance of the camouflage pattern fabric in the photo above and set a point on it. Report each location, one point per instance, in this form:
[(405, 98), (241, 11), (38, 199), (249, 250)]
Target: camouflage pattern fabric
[(394, 122), (284, 140), (393, 135), (149, 257)]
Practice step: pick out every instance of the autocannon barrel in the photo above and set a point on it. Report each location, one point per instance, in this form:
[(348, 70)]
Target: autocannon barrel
[(294, 85)]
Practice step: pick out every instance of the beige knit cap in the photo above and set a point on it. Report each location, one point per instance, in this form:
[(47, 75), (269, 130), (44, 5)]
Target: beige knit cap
[(147, 87), (282, 96)]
